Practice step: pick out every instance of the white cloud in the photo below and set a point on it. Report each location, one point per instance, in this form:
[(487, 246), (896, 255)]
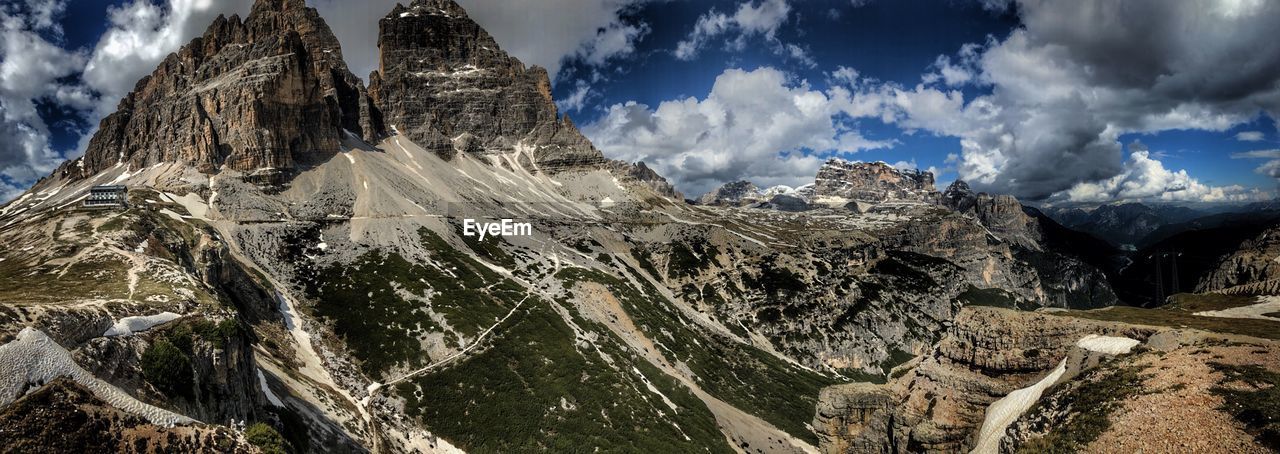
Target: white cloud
[(576, 99), (1077, 75), (140, 35), (752, 18), (1270, 168), (30, 69), (1249, 136), (752, 125), (1146, 179)]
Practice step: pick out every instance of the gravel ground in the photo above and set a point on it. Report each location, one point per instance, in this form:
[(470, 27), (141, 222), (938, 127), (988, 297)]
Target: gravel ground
[(1180, 415)]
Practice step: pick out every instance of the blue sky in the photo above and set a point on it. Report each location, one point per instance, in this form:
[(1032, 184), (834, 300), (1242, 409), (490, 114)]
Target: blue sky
[(1054, 102)]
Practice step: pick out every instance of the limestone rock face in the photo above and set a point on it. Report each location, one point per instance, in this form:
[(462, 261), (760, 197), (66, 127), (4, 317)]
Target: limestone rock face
[(872, 182), (257, 95), (442, 75), (1252, 269), (939, 404), (736, 193), (1001, 213)]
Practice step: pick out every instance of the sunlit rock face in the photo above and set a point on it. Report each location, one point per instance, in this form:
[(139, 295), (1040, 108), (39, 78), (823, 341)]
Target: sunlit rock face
[(259, 94), (442, 75), (872, 182)]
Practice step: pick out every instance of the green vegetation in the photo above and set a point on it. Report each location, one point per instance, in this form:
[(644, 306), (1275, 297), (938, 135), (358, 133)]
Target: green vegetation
[(104, 277), (490, 248), (1256, 404), (265, 438), (688, 260), (646, 261), (1266, 329), (550, 391), (1197, 302), (167, 368), (1100, 392), (750, 379), (382, 312), (774, 280)]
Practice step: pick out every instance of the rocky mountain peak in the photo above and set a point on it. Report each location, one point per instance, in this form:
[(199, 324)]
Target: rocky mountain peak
[(872, 182), (735, 193), (442, 74), (1001, 213), (257, 95), (958, 196)]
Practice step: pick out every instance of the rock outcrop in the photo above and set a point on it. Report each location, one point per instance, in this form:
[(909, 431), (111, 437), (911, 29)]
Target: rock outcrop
[(1001, 213), (442, 77), (1253, 269), (736, 193), (939, 405), (872, 182), (259, 96)]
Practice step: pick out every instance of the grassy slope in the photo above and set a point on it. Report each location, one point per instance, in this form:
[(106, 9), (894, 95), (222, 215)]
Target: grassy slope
[(1181, 314), (743, 376), (535, 379)]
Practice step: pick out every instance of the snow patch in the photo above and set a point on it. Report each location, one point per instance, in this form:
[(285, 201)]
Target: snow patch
[(1267, 304), (32, 358), (1005, 411), (1110, 345), (266, 390), (172, 215), (192, 202), (137, 324)]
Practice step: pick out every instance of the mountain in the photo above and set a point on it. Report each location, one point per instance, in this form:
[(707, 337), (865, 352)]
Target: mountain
[(449, 86), (322, 289), (1125, 223), (838, 183), (1231, 252), (260, 96), (870, 182)]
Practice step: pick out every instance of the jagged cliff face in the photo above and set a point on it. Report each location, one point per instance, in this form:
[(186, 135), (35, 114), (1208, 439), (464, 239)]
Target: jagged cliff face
[(737, 193), (872, 182), (1001, 213), (1253, 268), (258, 95), (446, 84)]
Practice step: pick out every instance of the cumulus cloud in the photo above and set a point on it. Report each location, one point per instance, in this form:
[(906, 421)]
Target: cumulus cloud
[(1249, 136), (753, 18), (577, 99), (141, 34), (31, 69), (1077, 75), (1146, 179), (759, 125)]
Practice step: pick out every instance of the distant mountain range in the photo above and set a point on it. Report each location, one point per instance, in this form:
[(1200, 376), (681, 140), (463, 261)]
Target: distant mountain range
[(1135, 225)]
